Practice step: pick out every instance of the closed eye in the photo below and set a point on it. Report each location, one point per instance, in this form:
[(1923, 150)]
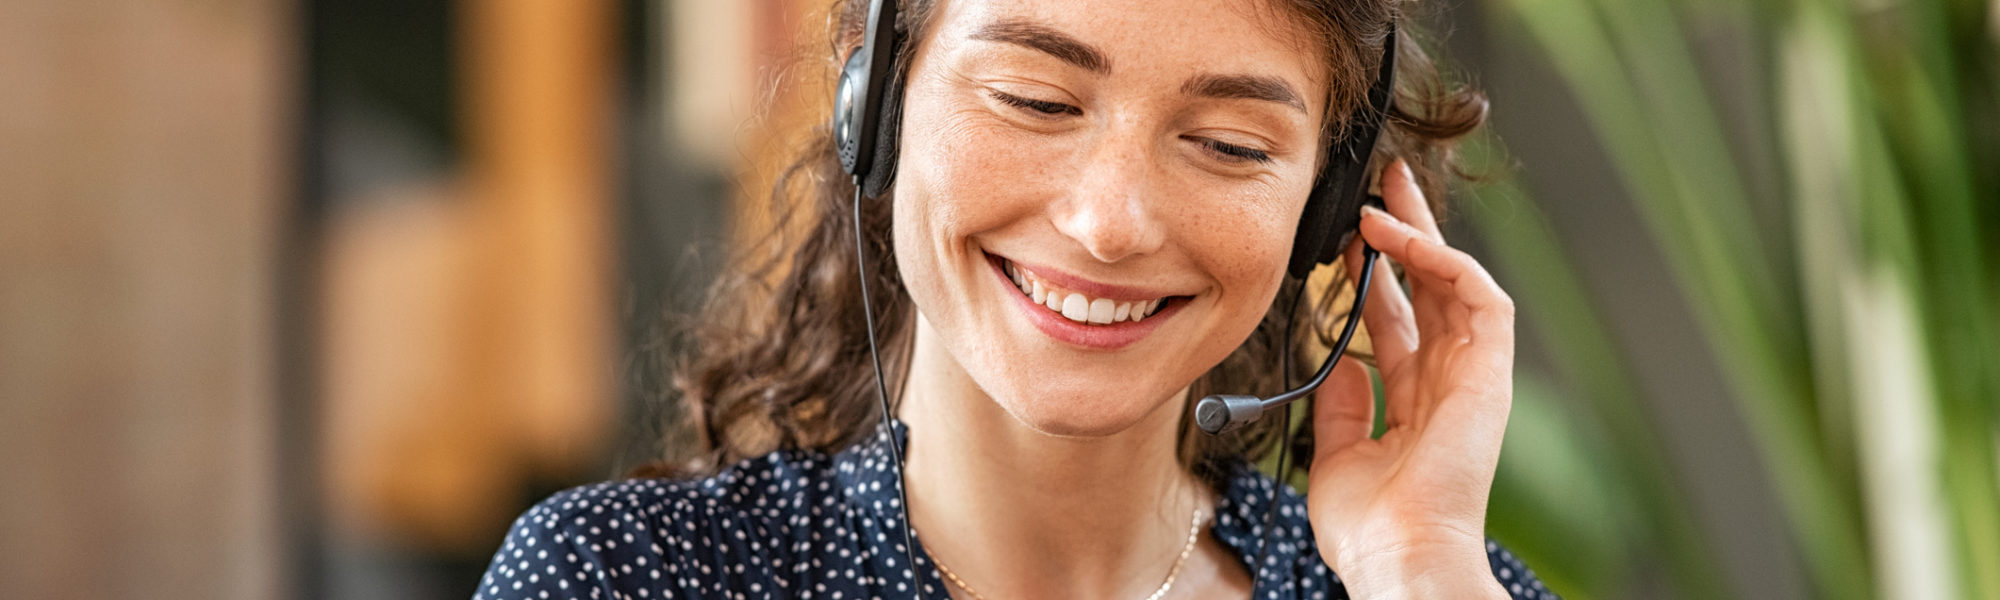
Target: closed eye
[(1040, 106), (1234, 153)]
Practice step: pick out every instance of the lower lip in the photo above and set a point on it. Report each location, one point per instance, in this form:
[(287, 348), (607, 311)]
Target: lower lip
[(1110, 336)]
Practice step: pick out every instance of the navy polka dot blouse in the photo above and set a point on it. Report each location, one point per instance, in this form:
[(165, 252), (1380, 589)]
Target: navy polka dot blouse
[(805, 525)]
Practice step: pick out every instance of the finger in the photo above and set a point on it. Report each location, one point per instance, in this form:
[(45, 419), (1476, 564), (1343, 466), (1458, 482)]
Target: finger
[(1392, 326), (1407, 203), (1462, 277), (1481, 334), (1405, 200), (1430, 310), (1344, 409), (1425, 260)]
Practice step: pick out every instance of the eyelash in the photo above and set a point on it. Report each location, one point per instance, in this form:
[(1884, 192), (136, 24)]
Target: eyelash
[(1229, 152), (1236, 153), (1040, 106)]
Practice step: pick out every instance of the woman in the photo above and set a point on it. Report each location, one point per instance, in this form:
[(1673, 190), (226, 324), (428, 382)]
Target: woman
[(1088, 227)]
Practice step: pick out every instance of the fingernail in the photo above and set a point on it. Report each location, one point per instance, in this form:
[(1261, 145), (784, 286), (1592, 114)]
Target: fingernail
[(1371, 210), (1404, 166)]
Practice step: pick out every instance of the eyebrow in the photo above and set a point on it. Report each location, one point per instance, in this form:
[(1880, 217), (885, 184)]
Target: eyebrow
[(1036, 36), (1248, 87)]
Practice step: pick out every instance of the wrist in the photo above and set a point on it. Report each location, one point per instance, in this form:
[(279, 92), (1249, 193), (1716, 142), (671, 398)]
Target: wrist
[(1419, 574)]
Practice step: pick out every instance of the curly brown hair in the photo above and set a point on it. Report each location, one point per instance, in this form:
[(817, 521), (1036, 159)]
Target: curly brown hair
[(779, 357)]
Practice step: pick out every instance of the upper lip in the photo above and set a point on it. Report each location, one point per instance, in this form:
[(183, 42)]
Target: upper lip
[(1087, 287)]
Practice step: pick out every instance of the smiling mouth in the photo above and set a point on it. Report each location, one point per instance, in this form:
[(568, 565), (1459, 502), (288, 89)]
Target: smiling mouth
[(1076, 306)]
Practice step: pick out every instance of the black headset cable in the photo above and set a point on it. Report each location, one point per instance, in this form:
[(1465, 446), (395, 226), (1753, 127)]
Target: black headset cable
[(882, 393), (1361, 284)]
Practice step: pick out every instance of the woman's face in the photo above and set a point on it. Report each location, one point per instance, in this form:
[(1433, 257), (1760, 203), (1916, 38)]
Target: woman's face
[(1096, 201)]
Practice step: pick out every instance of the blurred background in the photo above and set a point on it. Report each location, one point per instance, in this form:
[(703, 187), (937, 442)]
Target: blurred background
[(309, 298)]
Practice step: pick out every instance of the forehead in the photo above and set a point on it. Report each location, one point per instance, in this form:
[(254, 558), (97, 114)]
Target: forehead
[(1162, 38)]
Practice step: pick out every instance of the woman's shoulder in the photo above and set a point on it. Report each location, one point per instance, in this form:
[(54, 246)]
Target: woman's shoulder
[(726, 532), (772, 485), (600, 538), (764, 484), (617, 536)]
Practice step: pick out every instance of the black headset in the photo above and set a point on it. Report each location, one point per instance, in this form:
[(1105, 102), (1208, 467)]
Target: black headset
[(867, 115)]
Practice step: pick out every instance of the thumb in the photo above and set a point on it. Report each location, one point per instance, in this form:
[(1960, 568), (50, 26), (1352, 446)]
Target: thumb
[(1344, 408)]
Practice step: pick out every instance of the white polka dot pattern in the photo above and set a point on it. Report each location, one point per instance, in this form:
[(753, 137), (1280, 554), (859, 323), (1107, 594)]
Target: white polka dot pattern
[(804, 525)]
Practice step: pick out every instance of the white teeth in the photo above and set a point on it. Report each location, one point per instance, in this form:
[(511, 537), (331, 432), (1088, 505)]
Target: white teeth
[(1101, 310), (1075, 306)]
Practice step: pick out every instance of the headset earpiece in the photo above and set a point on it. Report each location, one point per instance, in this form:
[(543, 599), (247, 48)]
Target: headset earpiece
[(888, 125), (862, 120), (1334, 208)]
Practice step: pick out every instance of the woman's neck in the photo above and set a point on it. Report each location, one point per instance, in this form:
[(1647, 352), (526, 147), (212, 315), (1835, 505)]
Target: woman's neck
[(1018, 513)]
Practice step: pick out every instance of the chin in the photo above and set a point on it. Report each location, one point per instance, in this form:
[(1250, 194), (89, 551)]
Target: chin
[(1084, 411)]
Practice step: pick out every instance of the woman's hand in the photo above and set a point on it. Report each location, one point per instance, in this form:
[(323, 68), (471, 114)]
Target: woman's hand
[(1404, 515)]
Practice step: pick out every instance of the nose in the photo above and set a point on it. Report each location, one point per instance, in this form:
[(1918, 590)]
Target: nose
[(1108, 211)]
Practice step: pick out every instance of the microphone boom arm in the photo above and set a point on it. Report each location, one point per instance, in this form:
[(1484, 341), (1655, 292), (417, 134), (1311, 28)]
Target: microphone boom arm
[(1226, 412)]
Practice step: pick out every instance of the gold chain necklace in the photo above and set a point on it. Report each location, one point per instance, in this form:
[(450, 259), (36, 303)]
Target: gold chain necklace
[(1194, 533)]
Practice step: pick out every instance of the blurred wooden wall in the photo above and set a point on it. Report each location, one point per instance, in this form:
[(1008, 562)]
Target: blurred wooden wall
[(469, 352), (145, 155), (147, 173)]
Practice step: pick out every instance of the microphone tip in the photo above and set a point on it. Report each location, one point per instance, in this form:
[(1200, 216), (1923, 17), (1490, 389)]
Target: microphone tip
[(1211, 415), (1217, 414)]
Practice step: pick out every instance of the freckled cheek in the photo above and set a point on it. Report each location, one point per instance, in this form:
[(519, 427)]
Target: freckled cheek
[(1249, 278), (1251, 231), (976, 178), (1245, 246)]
